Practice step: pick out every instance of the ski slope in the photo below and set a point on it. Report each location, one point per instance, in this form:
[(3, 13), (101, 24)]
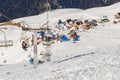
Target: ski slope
[(95, 57)]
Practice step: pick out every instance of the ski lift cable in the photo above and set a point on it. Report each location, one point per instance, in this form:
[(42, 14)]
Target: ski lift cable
[(45, 23), (1, 14), (24, 23), (4, 9)]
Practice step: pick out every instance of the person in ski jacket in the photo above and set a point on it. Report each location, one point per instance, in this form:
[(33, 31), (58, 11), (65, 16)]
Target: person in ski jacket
[(24, 45)]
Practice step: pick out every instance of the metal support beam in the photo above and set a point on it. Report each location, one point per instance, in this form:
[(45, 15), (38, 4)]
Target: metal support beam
[(5, 38), (1, 14), (35, 50)]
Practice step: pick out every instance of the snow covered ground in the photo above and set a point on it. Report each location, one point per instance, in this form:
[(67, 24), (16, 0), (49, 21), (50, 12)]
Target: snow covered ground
[(95, 57)]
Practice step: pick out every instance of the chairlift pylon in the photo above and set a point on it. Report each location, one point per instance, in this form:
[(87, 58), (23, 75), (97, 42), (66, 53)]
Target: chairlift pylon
[(47, 41)]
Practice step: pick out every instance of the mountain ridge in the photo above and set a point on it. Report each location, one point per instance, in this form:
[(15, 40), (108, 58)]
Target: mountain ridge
[(22, 8)]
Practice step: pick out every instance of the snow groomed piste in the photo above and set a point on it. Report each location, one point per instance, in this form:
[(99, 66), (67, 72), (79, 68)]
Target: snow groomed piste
[(95, 56)]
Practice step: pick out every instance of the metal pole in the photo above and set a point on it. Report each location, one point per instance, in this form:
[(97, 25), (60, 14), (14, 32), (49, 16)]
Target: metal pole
[(47, 14), (35, 51), (47, 7), (5, 16), (5, 37)]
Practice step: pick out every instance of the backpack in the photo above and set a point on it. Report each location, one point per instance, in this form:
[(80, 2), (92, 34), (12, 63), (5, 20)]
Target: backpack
[(31, 60)]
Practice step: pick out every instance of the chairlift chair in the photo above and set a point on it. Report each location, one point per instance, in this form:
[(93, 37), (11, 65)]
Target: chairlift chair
[(47, 41)]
